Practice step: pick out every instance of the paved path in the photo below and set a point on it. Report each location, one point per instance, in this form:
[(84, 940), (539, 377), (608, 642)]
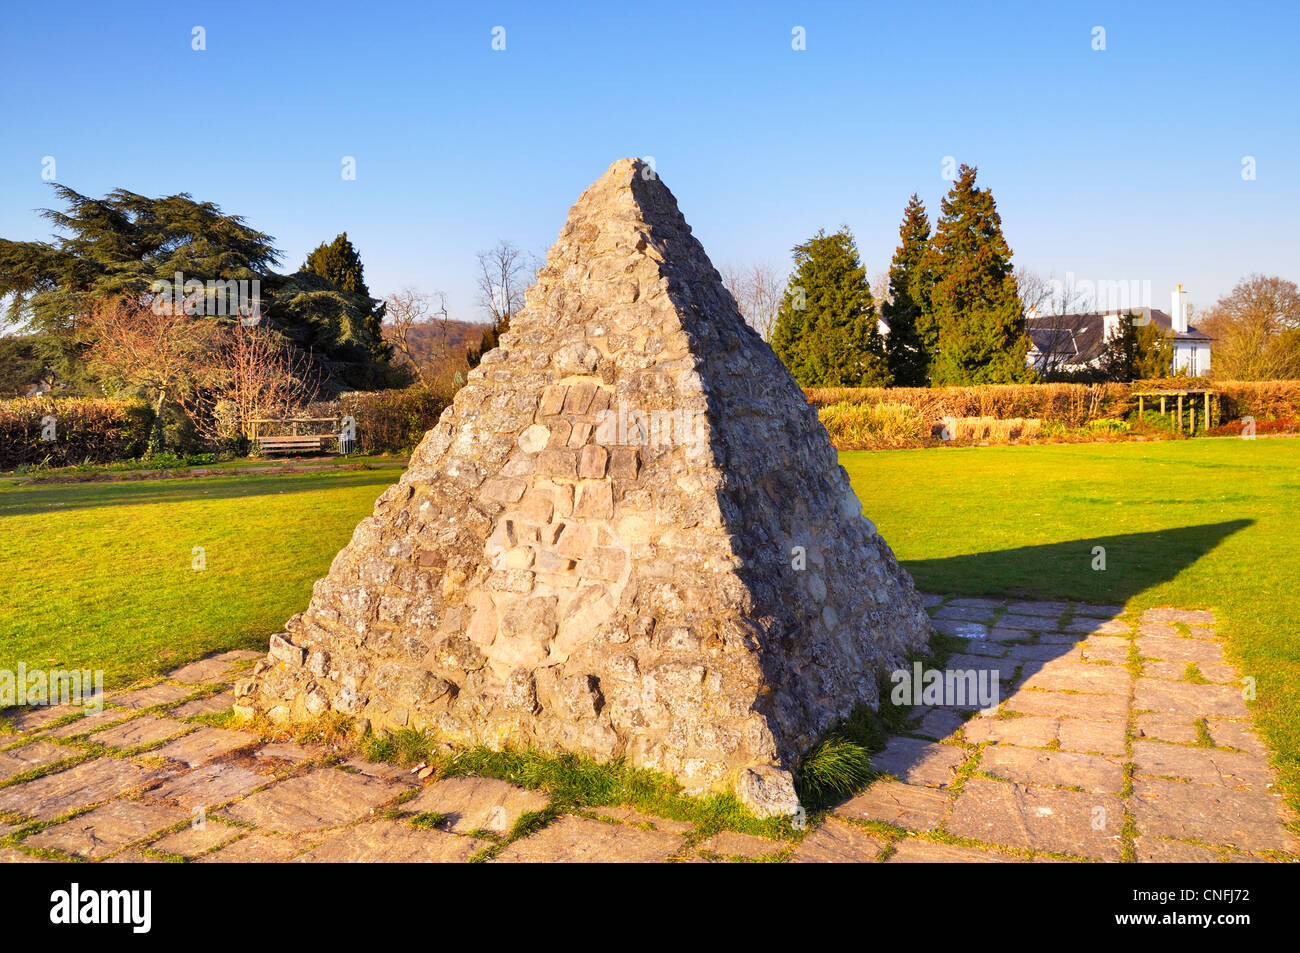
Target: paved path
[(1109, 742)]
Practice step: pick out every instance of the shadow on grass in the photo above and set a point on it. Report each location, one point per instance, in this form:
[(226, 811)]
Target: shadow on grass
[(61, 497), (1134, 563)]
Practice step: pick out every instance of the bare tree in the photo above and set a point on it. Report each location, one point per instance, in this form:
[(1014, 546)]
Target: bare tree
[(160, 350), (502, 280), (407, 313), (248, 373), (1256, 330), (758, 291), (1047, 301)]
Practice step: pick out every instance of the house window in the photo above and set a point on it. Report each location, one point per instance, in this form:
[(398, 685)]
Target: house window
[(1191, 362)]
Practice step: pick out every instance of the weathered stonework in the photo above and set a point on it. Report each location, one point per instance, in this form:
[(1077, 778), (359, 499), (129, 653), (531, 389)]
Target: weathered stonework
[(629, 535)]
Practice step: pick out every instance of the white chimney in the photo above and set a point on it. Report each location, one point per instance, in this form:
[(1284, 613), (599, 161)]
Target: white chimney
[(1178, 310)]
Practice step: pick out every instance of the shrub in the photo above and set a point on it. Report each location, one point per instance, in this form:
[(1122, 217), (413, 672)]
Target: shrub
[(84, 431), (388, 421), (1071, 404), (855, 426), (1263, 400), (989, 428)]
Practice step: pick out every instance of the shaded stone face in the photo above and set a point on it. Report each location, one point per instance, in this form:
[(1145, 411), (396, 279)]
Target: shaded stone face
[(628, 536)]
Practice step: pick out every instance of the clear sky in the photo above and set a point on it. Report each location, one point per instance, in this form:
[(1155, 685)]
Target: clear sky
[(1117, 165)]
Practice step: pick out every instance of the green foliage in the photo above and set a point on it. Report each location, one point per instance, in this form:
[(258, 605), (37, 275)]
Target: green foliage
[(339, 264), (974, 304), (118, 246), (833, 770), (907, 349), (826, 330), (491, 335), (83, 431), (1138, 351), (23, 363), (853, 426)]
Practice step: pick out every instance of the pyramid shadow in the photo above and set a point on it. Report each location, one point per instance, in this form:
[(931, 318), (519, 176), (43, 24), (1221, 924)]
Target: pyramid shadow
[(1134, 563)]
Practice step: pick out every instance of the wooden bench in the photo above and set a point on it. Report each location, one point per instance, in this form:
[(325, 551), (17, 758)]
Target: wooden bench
[(314, 443)]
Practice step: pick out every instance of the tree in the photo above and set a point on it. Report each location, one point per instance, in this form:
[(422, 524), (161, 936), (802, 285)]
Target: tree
[(124, 245), (1137, 350), (758, 292), (1049, 301), (158, 350), (339, 263), (825, 330), (906, 350), (409, 312), (1256, 330), (247, 373), (973, 302), (503, 270)]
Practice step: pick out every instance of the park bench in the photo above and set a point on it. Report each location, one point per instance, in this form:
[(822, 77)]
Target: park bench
[(302, 444), (294, 442)]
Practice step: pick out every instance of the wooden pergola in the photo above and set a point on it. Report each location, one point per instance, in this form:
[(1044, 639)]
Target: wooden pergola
[(1189, 395)]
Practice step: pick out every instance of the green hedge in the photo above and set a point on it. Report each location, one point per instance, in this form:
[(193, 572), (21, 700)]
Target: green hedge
[(390, 421), (84, 430)]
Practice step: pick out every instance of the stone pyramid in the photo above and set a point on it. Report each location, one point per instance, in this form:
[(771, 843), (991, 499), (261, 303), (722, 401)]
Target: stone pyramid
[(628, 536)]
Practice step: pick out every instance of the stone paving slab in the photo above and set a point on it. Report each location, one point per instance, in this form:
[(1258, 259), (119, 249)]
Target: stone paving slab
[(106, 828), (1210, 814), (1053, 768), (38, 754), (908, 806), (257, 848), (326, 797), (1106, 648), (1089, 677), (730, 845), (12, 855), (392, 842), (1186, 616), (1233, 769), (1094, 737), (837, 843), (910, 851), (161, 694), (1158, 850), (1166, 648), (939, 723), (88, 723), (139, 731), (919, 762), (1052, 609), (202, 671), (1235, 734), (470, 804), (80, 786), (1039, 818), (195, 840), (204, 745), (584, 840), (1067, 705), (208, 705), (1188, 699), (207, 786), (33, 717), (1089, 626)]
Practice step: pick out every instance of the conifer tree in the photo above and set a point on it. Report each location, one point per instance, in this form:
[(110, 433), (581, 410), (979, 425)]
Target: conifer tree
[(826, 329), (907, 352), (339, 263), (973, 302)]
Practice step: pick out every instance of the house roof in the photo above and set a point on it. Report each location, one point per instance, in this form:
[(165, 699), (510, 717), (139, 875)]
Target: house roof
[(1081, 338)]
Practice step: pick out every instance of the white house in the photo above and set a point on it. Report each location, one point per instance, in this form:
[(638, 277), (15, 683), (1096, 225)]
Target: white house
[(1076, 342)]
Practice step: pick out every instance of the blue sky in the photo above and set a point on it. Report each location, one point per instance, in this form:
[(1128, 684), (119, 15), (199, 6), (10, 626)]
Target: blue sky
[(1122, 164)]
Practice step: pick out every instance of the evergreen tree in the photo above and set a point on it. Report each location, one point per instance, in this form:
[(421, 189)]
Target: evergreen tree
[(1136, 352), (120, 245), (339, 263), (973, 302), (826, 329), (907, 352)]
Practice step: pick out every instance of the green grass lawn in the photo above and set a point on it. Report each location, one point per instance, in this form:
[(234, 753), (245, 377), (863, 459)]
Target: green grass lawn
[(99, 575), (1209, 524)]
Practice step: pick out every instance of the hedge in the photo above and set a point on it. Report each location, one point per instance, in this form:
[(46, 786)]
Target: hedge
[(388, 421), (1071, 404), (83, 430)]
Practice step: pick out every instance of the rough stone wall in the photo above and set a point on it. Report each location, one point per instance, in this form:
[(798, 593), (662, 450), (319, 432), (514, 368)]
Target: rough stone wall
[(595, 548)]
